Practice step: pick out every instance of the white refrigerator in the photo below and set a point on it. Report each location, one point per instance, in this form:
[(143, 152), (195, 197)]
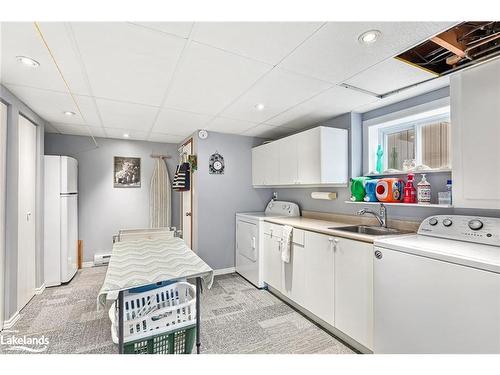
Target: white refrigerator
[(61, 219)]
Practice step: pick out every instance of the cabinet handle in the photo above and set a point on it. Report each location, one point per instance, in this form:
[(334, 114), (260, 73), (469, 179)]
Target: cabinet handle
[(333, 243)]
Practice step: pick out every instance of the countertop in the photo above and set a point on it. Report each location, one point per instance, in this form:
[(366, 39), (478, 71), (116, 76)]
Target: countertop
[(322, 226)]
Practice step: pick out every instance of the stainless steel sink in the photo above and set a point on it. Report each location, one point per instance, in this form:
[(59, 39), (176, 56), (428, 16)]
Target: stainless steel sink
[(365, 229)]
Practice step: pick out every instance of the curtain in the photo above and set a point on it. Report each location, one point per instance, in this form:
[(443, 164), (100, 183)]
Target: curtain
[(160, 212)]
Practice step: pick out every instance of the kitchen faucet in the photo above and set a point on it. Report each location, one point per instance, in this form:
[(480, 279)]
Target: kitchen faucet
[(381, 216)]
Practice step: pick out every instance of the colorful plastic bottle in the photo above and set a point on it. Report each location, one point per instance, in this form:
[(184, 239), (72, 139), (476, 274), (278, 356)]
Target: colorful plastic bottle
[(410, 193), (424, 191), (380, 153)]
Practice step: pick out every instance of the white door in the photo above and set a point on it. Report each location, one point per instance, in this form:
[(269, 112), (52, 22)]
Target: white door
[(26, 212), (187, 202), (69, 236), (273, 266), (309, 160), (271, 163), (320, 277), (3, 147), (354, 290), (258, 162)]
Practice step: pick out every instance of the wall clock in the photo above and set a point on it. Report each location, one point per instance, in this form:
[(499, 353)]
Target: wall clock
[(216, 164), (203, 134)]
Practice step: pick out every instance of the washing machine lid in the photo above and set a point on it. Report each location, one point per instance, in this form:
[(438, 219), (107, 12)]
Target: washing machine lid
[(485, 257)]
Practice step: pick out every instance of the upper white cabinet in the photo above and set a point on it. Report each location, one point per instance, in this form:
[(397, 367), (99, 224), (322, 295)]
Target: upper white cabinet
[(475, 119), (314, 157)]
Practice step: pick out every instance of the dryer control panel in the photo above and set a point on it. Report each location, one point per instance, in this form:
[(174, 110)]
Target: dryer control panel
[(282, 208), (477, 229)]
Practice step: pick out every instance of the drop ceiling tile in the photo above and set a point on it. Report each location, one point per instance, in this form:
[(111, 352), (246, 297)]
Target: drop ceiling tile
[(50, 105), (124, 115), (423, 88), (165, 138), (376, 79), (22, 39), (333, 102), (208, 79), (171, 121), (231, 126), (335, 54), (126, 62), (132, 134), (269, 42), (278, 91), (181, 29), (71, 129), (49, 128), (268, 131)]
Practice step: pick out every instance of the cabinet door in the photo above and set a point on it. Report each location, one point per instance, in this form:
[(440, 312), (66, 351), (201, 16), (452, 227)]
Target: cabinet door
[(475, 118), (271, 163), (308, 152), (320, 276), (288, 159), (272, 261), (354, 290), (258, 166)]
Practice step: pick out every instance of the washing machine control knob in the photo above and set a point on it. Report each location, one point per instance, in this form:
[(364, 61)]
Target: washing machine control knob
[(433, 221), (447, 222), (475, 224)]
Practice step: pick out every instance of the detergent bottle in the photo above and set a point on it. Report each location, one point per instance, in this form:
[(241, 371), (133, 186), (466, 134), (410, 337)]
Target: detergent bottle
[(410, 193)]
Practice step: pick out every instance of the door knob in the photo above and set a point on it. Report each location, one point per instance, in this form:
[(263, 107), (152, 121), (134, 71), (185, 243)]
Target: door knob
[(28, 216), (188, 213)]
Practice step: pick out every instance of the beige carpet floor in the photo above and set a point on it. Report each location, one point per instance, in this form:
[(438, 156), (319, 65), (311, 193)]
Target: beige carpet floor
[(236, 318)]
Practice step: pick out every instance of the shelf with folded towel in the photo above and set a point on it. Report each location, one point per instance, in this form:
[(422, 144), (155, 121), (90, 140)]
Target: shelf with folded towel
[(423, 205)]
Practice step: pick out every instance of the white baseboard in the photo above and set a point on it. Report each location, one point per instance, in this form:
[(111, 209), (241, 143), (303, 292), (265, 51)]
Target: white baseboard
[(40, 289), (9, 323), (224, 271), (87, 264)]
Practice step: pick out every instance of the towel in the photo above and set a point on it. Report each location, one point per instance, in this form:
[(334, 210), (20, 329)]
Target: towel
[(287, 243), (182, 177)]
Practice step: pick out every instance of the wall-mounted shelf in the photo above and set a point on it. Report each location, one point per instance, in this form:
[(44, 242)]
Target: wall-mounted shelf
[(432, 205), (382, 175)]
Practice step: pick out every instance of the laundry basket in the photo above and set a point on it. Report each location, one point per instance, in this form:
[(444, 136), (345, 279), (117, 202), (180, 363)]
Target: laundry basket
[(162, 320)]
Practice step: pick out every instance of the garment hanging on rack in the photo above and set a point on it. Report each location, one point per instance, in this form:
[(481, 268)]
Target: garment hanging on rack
[(182, 178)]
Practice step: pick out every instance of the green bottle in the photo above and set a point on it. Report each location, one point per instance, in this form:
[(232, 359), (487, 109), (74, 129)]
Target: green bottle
[(380, 153)]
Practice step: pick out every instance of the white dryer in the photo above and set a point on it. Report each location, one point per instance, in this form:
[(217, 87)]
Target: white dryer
[(249, 237), (438, 291)]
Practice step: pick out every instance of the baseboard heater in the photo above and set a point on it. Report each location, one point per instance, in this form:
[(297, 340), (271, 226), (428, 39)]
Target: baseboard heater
[(101, 259)]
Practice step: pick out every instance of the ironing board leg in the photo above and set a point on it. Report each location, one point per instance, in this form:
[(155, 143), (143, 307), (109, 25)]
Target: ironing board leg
[(198, 314), (120, 322)]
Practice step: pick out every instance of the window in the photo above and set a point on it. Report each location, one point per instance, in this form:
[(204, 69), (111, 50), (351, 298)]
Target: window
[(422, 138)]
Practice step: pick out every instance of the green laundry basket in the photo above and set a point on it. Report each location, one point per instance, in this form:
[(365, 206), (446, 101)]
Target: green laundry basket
[(180, 341)]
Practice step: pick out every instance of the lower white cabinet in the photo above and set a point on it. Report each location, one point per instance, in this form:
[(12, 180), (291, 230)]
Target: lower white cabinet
[(354, 290), (329, 276)]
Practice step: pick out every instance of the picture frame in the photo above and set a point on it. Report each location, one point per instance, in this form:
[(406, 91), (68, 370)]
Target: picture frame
[(126, 172)]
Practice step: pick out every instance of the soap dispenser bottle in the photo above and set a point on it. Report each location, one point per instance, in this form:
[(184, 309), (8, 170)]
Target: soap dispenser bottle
[(424, 191), (410, 193)]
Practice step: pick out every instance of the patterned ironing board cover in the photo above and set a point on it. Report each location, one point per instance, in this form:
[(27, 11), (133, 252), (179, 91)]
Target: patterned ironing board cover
[(142, 262)]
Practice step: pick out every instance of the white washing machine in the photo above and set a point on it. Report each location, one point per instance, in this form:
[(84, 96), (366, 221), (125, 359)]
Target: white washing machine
[(439, 291), (249, 238)]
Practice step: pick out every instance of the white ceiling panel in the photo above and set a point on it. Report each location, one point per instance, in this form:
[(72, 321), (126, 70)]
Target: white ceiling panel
[(49, 128), (165, 138), (269, 42), (423, 88), (128, 63), (22, 39), (278, 91), (181, 29), (123, 115), (208, 79), (335, 54), (231, 126), (183, 123), (135, 135), (333, 102), (79, 130), (376, 79), (268, 131)]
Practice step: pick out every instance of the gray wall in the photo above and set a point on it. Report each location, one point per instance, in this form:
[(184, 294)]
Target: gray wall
[(103, 209), (220, 197), (16, 108), (353, 122)]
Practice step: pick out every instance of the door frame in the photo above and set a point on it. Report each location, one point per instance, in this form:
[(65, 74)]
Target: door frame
[(3, 175), (188, 142)]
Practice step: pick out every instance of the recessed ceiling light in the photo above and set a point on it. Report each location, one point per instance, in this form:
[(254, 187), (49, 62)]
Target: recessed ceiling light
[(260, 106), (369, 37), (28, 61), (126, 135), (69, 113)]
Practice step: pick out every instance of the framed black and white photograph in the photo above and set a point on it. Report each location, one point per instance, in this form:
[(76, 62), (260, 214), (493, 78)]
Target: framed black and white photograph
[(127, 172)]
